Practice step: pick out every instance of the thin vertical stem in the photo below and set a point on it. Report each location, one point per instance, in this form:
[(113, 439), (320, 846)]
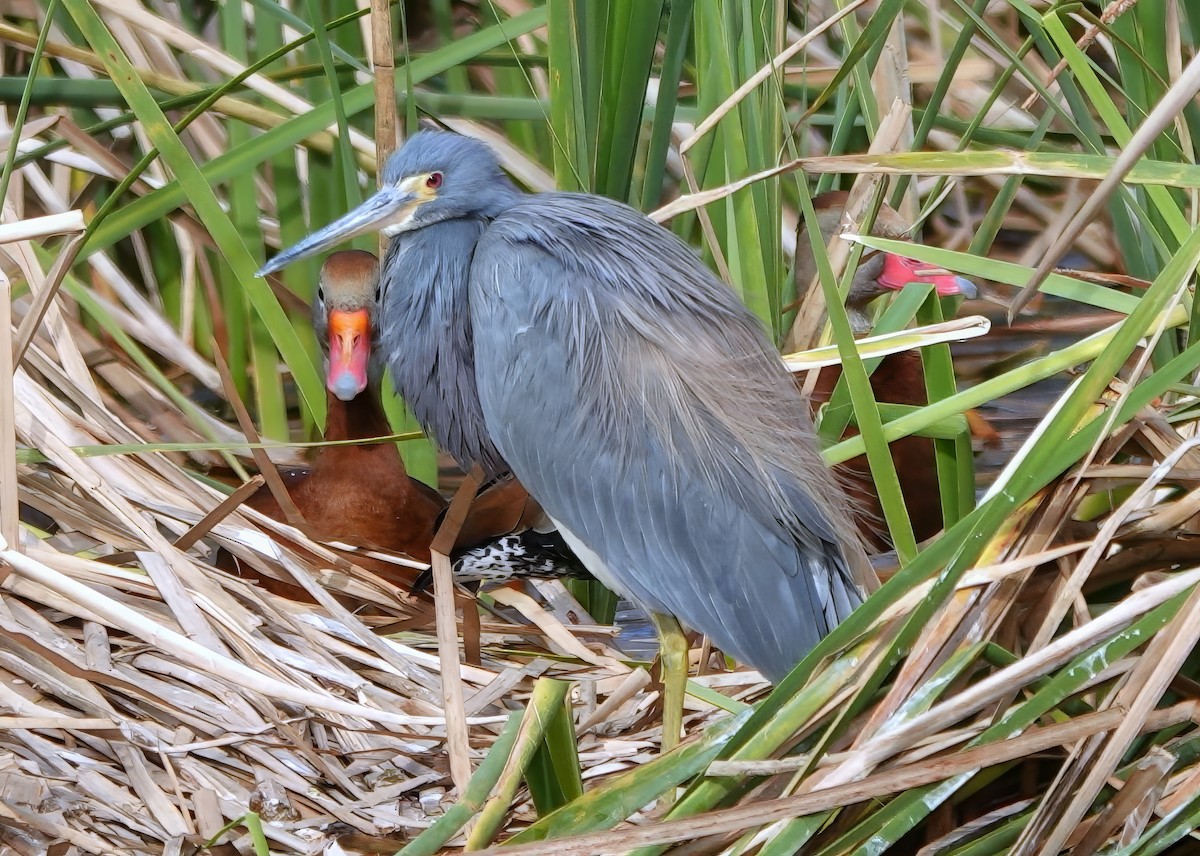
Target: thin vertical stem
[(8, 423), (384, 62), (447, 630)]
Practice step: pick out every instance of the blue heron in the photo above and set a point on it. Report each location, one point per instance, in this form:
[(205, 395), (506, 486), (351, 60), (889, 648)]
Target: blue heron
[(569, 337)]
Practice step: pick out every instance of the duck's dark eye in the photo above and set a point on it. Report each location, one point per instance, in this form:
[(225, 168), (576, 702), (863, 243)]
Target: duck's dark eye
[(434, 181), (320, 294)]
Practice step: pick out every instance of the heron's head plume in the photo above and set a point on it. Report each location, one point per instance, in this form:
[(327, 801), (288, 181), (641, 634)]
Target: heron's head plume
[(344, 318), (435, 176), (450, 175)]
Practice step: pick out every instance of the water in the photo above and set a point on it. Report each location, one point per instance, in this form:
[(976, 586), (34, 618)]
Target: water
[(1057, 324)]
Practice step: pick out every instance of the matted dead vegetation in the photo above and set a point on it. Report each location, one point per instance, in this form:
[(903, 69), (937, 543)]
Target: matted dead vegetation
[(151, 699), (1026, 684)]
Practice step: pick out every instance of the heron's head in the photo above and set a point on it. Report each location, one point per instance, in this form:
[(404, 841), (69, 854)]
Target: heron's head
[(344, 319), (435, 176)]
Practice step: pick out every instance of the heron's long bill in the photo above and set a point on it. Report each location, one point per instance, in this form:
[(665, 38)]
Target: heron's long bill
[(349, 351), (387, 209)]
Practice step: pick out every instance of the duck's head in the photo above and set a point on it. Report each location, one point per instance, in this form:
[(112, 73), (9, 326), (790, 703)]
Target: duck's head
[(344, 318)]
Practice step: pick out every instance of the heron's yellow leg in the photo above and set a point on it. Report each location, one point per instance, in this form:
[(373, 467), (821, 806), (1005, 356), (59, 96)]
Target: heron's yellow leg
[(673, 649)]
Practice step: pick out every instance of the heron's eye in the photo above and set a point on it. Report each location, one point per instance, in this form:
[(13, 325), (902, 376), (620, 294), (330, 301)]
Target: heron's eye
[(434, 181)]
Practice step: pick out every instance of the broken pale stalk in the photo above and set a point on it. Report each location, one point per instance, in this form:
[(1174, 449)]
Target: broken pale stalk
[(447, 631), (8, 425)]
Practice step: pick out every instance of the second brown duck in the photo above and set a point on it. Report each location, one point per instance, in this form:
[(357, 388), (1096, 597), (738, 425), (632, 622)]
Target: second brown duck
[(898, 379)]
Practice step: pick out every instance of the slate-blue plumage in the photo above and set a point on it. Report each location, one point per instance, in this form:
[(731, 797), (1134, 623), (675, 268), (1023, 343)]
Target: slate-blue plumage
[(571, 338)]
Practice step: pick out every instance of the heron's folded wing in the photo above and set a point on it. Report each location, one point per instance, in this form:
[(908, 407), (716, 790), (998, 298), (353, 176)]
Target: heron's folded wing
[(619, 439)]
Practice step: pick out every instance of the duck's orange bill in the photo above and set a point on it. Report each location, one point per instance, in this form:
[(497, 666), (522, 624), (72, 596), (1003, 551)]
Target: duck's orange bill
[(899, 272), (349, 351)]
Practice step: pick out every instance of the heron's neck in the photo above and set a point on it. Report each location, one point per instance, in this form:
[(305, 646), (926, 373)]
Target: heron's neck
[(502, 196), (427, 336)]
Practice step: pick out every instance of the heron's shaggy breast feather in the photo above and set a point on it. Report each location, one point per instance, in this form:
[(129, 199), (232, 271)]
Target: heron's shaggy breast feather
[(426, 329)]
